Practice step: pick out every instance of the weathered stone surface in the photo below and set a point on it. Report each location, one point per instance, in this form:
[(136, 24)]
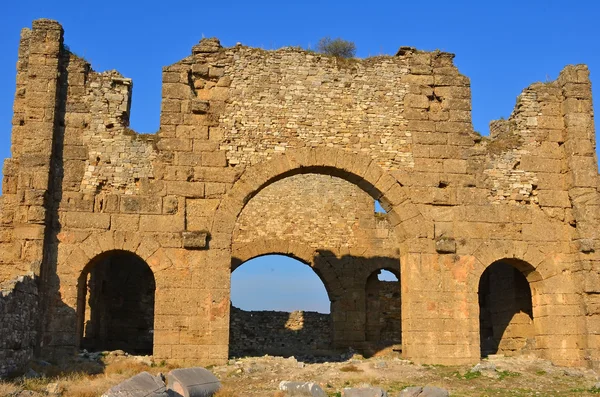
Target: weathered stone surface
[(192, 382)]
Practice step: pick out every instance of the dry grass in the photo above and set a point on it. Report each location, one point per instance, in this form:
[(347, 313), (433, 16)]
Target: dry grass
[(88, 386), (350, 368), (8, 388), (225, 392), (126, 368), (76, 378)]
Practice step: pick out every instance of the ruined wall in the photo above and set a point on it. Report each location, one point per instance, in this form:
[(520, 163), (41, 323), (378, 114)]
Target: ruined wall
[(240, 124), (18, 323), (298, 333)]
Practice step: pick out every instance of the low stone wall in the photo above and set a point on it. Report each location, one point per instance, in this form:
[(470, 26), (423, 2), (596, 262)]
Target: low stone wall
[(18, 315), (278, 333)]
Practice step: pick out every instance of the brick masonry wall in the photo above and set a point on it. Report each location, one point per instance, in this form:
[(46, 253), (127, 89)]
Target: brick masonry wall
[(241, 124), (18, 323)]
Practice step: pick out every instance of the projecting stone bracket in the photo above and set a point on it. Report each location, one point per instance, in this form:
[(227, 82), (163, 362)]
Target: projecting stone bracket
[(200, 107), (195, 240), (445, 245)]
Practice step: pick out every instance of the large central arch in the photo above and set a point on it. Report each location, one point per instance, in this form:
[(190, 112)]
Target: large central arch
[(360, 170)]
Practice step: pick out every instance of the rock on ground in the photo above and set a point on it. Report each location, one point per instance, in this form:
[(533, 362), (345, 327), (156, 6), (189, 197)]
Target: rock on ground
[(427, 391), (310, 389), (364, 392)]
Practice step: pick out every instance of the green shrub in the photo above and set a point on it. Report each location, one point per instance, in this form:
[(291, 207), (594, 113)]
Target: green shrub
[(336, 47)]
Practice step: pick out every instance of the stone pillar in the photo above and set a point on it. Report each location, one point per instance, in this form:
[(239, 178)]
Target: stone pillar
[(583, 179), (28, 172)]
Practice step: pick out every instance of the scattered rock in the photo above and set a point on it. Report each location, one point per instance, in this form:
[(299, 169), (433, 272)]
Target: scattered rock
[(427, 391), (432, 391), (192, 382), (414, 391), (146, 360), (31, 374), (572, 372), (310, 389), (53, 389), (486, 368), (483, 366), (29, 393), (43, 363), (364, 392), (140, 385), (380, 364), (597, 386)]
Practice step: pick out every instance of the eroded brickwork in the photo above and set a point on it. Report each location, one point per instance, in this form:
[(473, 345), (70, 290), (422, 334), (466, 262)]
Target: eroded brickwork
[(243, 132)]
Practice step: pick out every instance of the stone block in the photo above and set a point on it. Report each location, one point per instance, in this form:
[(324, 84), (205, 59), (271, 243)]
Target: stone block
[(186, 189), (416, 101), (125, 222), (176, 91), (214, 159), (140, 385), (85, 220), (445, 245), (199, 106), (192, 382), (195, 240), (141, 205), (309, 389), (364, 392)]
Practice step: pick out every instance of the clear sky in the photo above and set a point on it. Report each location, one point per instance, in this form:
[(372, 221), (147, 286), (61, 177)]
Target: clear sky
[(502, 46)]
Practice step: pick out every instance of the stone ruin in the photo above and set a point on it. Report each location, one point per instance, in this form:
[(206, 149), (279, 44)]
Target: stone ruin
[(131, 239)]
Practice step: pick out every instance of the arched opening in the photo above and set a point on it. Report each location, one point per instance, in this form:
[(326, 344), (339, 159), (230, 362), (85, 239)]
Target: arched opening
[(280, 306), (116, 304), (383, 309), (505, 309)]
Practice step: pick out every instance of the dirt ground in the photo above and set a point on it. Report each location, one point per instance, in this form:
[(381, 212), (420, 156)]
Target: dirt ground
[(260, 376)]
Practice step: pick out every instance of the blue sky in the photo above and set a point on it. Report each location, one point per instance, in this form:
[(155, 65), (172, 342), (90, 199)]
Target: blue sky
[(502, 46)]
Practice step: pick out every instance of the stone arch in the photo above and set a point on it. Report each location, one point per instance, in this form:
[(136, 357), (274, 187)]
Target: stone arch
[(359, 169), (506, 307), (115, 303), (383, 306), (146, 248)]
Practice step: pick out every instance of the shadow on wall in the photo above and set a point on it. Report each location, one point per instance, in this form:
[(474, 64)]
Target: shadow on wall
[(311, 335)]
